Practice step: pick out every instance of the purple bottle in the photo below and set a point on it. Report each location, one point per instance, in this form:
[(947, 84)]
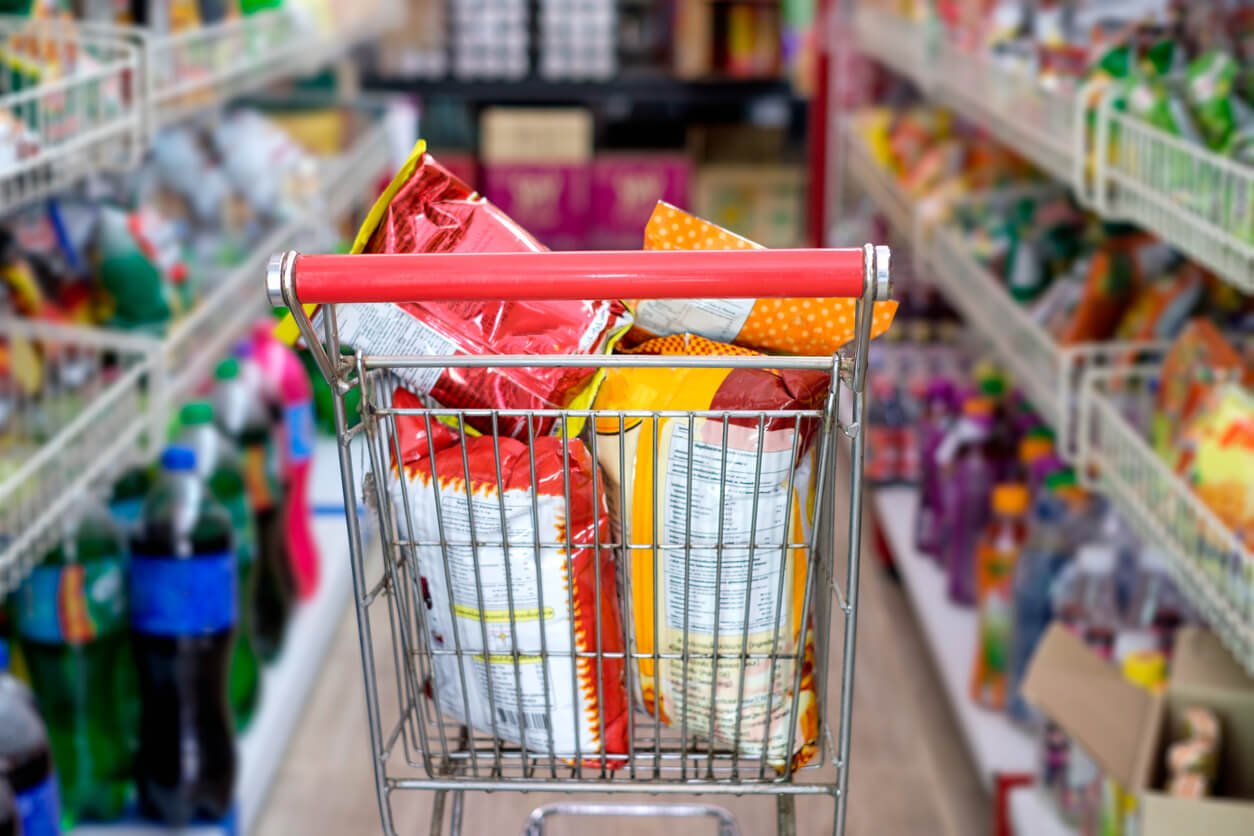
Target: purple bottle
[(939, 406), (968, 470)]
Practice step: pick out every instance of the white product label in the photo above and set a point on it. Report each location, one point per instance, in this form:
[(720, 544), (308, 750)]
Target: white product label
[(715, 319), (379, 328), (693, 574), (502, 641)]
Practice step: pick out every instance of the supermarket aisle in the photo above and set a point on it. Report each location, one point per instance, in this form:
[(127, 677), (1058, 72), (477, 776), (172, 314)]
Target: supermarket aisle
[(911, 774)]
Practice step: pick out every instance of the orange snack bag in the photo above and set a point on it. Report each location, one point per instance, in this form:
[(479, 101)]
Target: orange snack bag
[(783, 326)]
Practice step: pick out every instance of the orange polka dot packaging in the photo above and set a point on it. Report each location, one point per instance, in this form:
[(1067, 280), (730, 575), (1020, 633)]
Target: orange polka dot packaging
[(515, 569), (706, 576), (782, 326)]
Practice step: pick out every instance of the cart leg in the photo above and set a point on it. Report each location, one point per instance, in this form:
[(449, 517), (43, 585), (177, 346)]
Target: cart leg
[(455, 821), (785, 815), (437, 813)]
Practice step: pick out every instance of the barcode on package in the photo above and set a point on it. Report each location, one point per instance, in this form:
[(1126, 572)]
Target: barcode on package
[(529, 721)]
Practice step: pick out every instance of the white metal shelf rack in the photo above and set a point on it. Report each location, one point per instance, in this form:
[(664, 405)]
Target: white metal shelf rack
[(1198, 201), (69, 107)]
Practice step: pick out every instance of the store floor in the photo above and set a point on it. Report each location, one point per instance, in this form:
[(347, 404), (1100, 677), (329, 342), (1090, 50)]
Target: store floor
[(910, 773)]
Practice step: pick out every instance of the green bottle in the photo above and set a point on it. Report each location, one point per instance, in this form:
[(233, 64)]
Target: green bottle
[(71, 619), (217, 462)]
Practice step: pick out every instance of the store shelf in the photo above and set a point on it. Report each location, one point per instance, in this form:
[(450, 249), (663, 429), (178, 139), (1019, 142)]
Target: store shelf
[(1198, 201), (997, 746), (83, 118), (1043, 125), (81, 407), (290, 681), (879, 184), (897, 42), (1033, 814), (1212, 565)]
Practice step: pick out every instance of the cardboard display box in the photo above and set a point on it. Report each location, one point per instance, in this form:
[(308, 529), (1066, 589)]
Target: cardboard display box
[(764, 203), (536, 168), (626, 187), (1127, 730)]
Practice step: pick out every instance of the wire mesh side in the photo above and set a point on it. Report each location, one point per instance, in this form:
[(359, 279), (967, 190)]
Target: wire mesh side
[(72, 405), (70, 106), (444, 676)]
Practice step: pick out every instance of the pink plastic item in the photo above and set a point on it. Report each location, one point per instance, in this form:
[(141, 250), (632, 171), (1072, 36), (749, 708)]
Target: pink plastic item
[(286, 376)]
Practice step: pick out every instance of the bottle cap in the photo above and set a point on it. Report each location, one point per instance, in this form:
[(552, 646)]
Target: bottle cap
[(196, 413), (244, 349), (1062, 478), (228, 369), (1010, 499), (1032, 449), (178, 459), (1041, 431), (1096, 558), (992, 387)]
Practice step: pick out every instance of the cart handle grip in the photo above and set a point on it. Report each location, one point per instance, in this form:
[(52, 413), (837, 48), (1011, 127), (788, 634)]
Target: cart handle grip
[(670, 274)]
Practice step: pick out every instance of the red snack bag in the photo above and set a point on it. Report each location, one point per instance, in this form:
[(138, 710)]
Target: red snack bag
[(517, 584), (428, 210)]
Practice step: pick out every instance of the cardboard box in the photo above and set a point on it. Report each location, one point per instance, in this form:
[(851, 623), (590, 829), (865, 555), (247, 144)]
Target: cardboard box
[(626, 187), (1127, 730), (764, 203), (536, 168)]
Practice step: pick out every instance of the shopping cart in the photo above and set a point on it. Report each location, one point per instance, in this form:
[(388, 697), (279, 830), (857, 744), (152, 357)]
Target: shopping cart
[(418, 746)]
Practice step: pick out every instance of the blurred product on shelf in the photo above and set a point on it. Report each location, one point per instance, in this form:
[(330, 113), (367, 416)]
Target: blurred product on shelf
[(968, 468), (184, 610), (761, 201), (246, 416), (577, 39), (27, 761), (626, 187), (127, 493), (490, 39), (536, 166), (10, 819), (997, 554), (739, 39), (219, 466), (70, 616), (1161, 745), (286, 378)]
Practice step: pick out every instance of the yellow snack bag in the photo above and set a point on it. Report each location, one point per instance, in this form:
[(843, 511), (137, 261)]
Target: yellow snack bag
[(713, 513), (783, 326)]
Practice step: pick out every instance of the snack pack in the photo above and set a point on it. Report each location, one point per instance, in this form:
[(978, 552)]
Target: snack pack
[(428, 210), (702, 501), (1200, 356), (481, 573), (791, 326)]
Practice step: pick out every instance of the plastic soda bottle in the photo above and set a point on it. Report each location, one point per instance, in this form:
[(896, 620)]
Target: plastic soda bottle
[(126, 498), (26, 761), (967, 475), (71, 620), (996, 555), (183, 616), (242, 417), (937, 416), (286, 376), (217, 463), (10, 825)]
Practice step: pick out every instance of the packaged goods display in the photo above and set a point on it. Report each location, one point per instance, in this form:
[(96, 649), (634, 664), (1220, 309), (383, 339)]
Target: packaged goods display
[(511, 533)]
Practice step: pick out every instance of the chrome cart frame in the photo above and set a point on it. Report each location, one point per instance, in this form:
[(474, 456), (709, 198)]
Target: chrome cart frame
[(723, 736)]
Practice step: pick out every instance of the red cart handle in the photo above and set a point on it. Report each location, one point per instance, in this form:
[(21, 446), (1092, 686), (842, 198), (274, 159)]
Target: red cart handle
[(671, 274)]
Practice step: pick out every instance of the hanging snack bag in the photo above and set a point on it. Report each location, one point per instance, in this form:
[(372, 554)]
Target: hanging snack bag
[(707, 510), (786, 326), (513, 580), (428, 210)]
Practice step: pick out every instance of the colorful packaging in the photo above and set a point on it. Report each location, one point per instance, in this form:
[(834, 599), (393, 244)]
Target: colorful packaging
[(426, 209), (1217, 456), (540, 599), (1200, 356), (625, 190), (790, 326), (1211, 88), (1114, 274), (754, 604), (139, 266)]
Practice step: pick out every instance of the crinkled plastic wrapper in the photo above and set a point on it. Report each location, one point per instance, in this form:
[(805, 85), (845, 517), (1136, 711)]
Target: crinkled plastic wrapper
[(509, 567), (428, 210), (695, 487), (780, 326)]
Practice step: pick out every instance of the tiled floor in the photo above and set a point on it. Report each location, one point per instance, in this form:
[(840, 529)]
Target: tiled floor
[(910, 772)]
